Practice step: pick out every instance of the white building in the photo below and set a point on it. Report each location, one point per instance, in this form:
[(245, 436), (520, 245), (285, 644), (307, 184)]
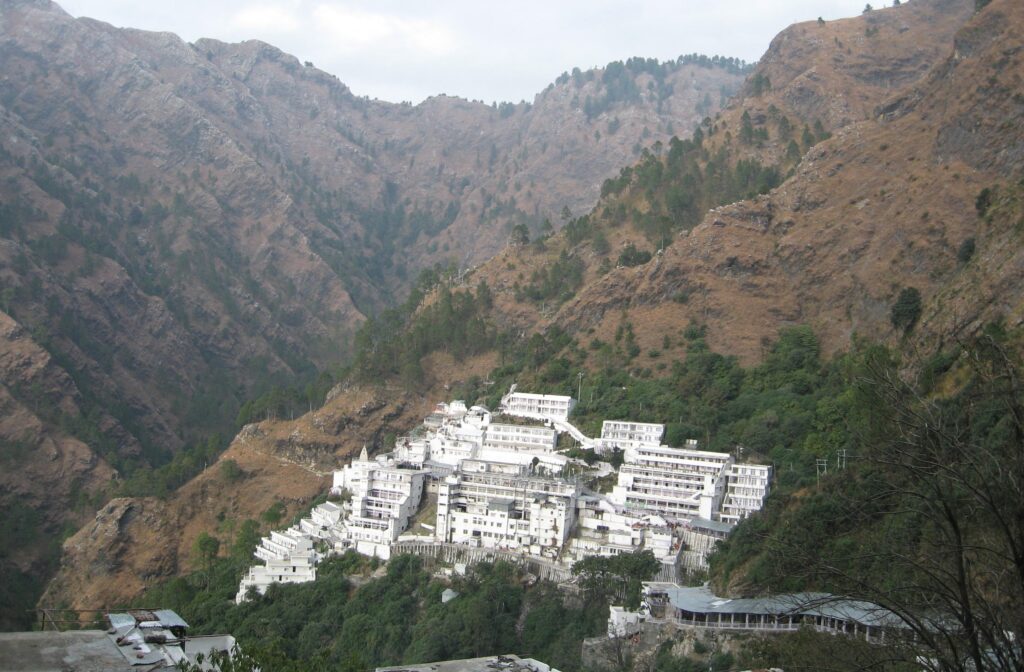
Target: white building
[(679, 483), (458, 434), (537, 406), (624, 434), (385, 497), (624, 623), (299, 567), (413, 450), (604, 529), (527, 445), (520, 438), (502, 505), (281, 545), (745, 492), (498, 486), (323, 520)]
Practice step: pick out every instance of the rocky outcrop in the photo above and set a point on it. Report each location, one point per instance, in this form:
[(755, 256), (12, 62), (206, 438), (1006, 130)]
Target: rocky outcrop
[(838, 71)]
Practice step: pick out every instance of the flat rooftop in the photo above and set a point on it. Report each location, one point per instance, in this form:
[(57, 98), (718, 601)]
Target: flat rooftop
[(140, 639), (79, 650)]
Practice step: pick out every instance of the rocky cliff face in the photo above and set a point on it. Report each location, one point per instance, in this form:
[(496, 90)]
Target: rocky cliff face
[(49, 481)]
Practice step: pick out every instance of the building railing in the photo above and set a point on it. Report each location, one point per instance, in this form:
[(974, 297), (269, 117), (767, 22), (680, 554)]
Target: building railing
[(773, 624)]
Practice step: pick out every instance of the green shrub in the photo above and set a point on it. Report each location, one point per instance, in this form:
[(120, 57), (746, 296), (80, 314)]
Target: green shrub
[(907, 309)]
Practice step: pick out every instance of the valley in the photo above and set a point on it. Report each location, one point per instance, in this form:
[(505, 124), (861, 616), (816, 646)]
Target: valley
[(813, 261)]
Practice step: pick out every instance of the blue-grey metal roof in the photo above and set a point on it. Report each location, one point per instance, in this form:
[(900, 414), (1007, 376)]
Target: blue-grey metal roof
[(713, 525), (702, 601), (170, 619)]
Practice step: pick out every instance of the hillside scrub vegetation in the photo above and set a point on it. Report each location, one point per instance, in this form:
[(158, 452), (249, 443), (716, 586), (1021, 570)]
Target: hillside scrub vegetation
[(877, 526), (924, 519), (331, 624)]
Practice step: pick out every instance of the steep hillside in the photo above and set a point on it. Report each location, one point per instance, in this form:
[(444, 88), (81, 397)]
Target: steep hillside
[(866, 206), (184, 223), (882, 206), (49, 480), (136, 542), (872, 207), (183, 226)]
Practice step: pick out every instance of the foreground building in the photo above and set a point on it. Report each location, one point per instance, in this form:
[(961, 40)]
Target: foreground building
[(140, 639), (698, 607)]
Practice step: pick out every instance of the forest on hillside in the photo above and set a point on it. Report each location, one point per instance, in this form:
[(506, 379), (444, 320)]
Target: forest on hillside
[(949, 437)]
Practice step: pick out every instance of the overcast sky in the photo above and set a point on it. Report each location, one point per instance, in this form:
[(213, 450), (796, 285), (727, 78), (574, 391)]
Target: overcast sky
[(479, 49)]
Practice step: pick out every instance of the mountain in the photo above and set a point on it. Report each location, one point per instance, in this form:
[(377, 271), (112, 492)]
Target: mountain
[(851, 167), (186, 226), (874, 201), (184, 223)]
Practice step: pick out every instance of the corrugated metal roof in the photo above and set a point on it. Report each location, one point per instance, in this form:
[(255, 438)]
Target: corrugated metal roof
[(701, 600), (170, 619), (713, 525)]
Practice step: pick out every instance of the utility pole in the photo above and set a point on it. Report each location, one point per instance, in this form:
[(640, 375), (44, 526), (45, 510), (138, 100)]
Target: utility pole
[(579, 392)]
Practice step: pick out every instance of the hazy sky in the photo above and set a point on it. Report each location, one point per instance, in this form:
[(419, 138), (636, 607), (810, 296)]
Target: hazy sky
[(408, 50)]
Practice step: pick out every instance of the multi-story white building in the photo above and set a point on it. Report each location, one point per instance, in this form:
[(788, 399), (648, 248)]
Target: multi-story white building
[(323, 521), (290, 556), (527, 445), (281, 545), (502, 505), (537, 406), (520, 438), (498, 486), (299, 567), (602, 529), (624, 434), (606, 530), (385, 497), (679, 483), (745, 492)]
